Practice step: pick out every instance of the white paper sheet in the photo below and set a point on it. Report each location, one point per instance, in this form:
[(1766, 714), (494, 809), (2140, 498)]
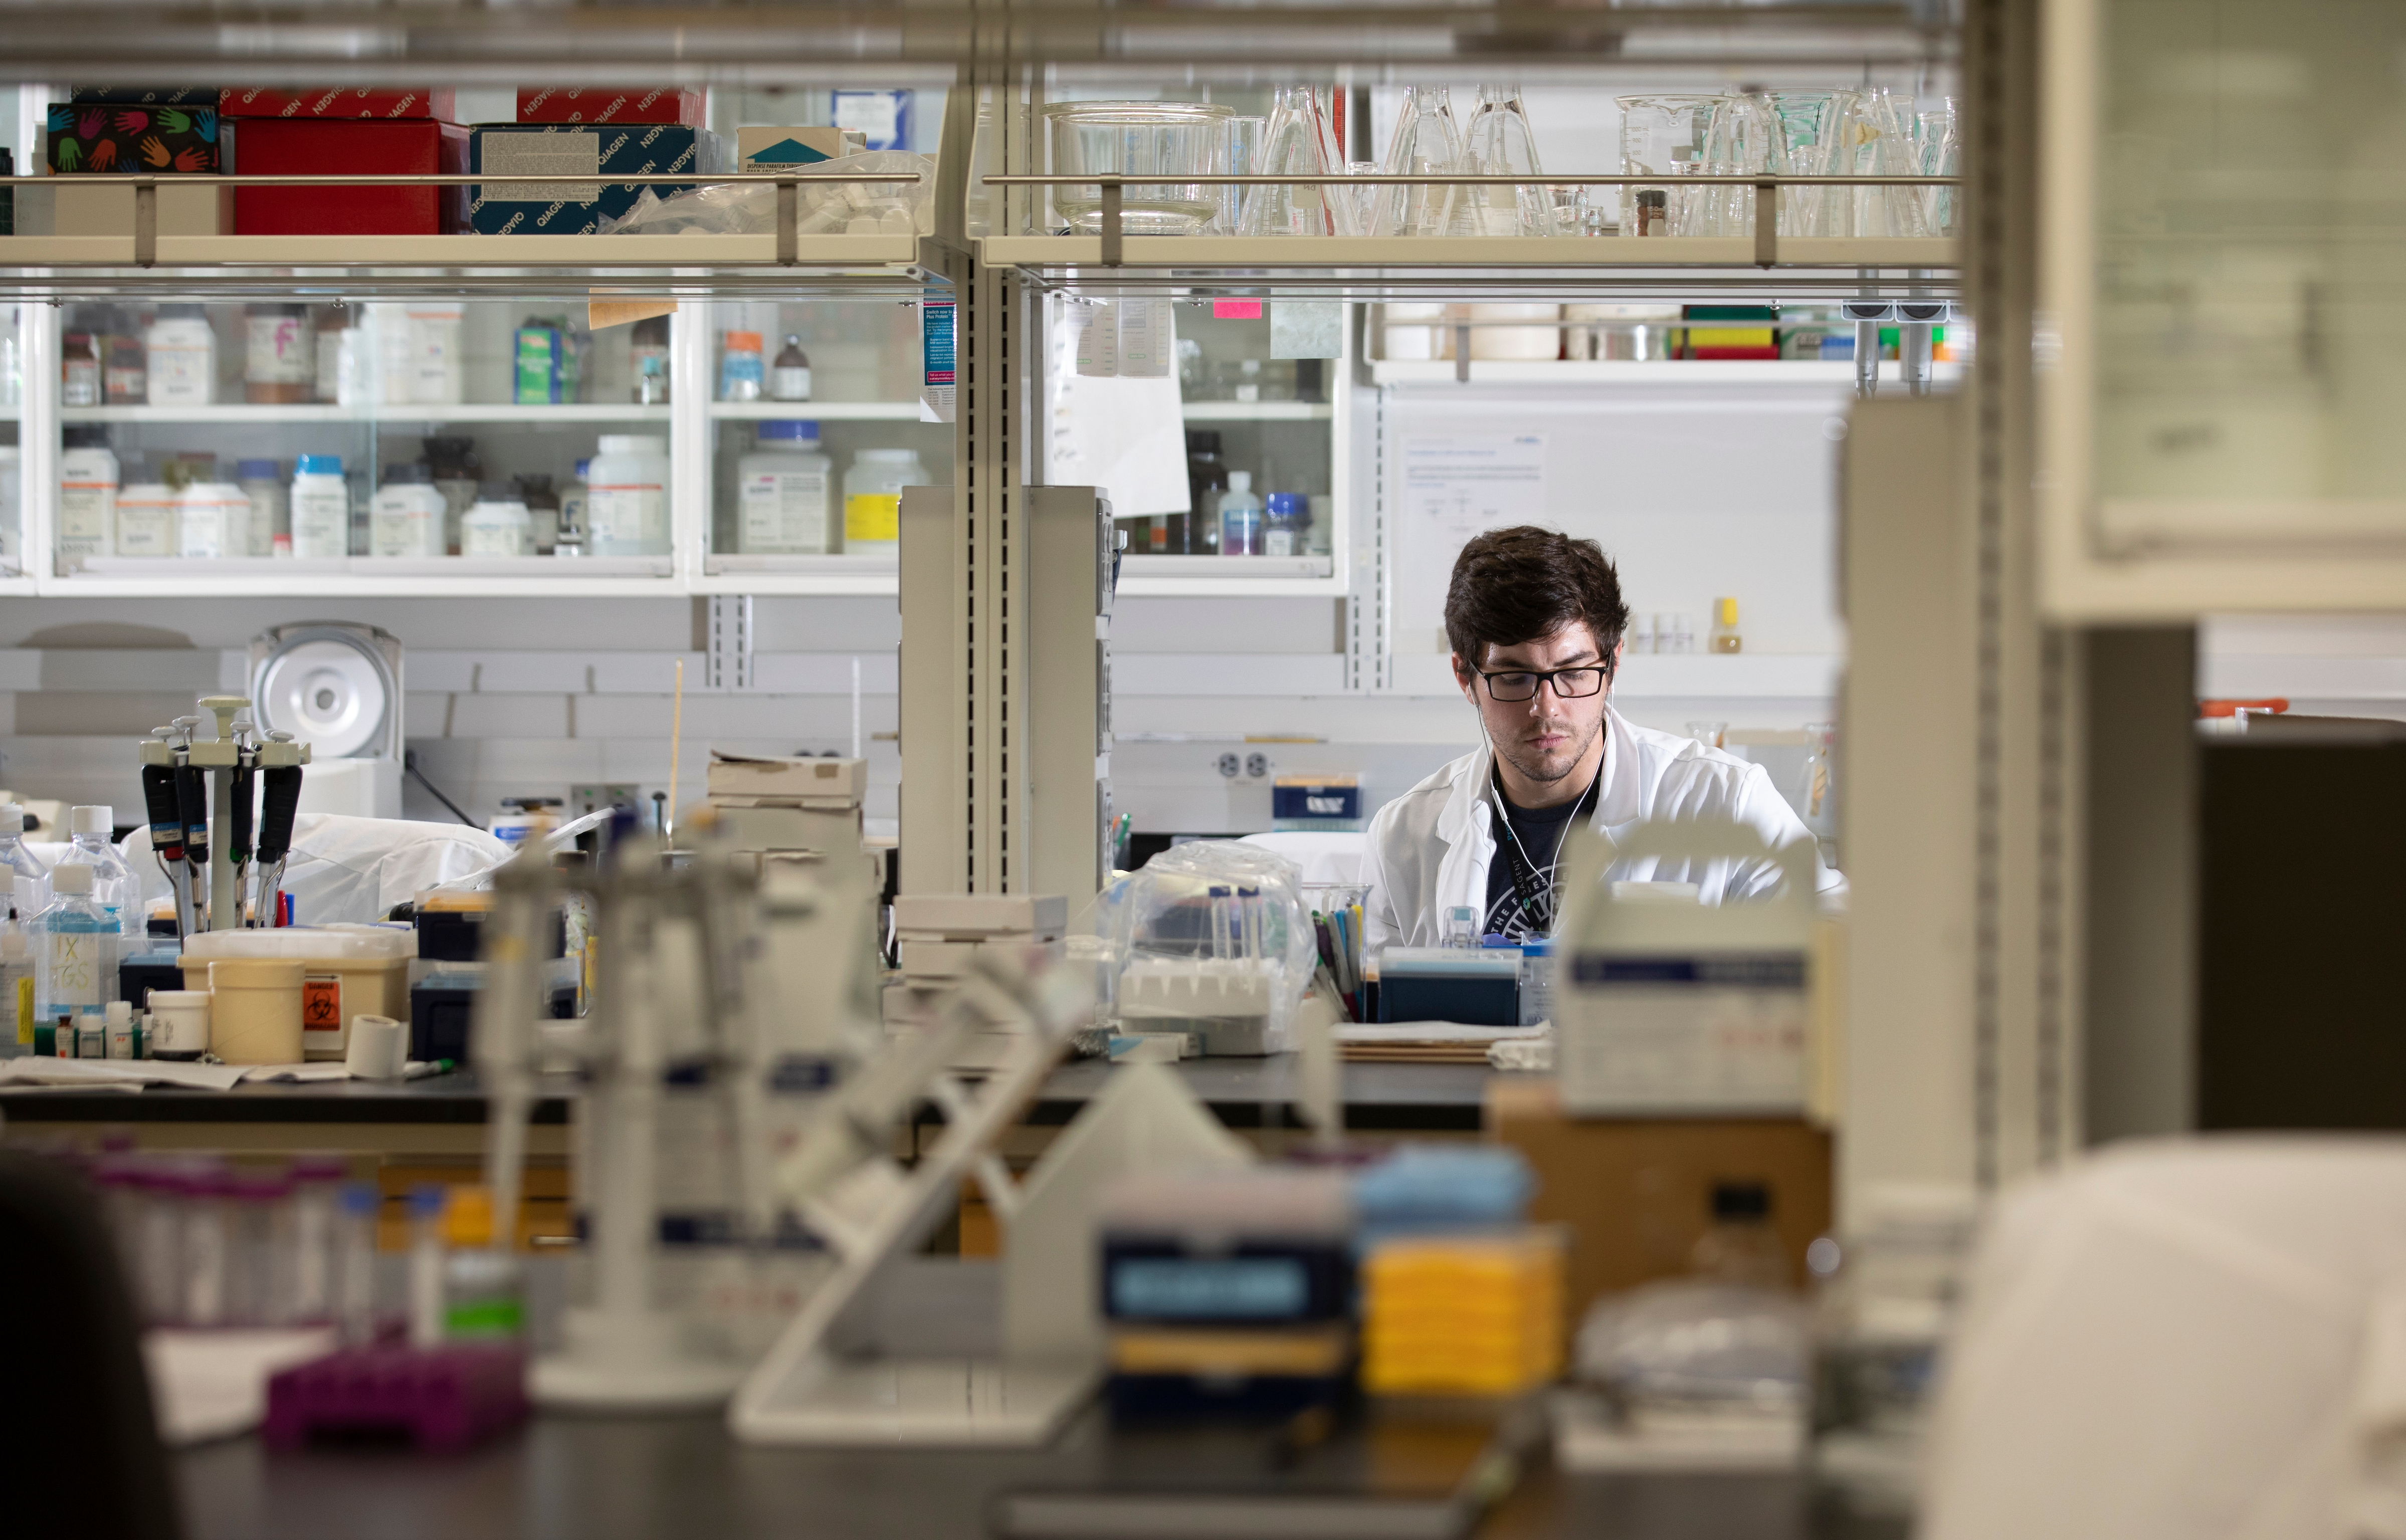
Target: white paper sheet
[(1456, 486)]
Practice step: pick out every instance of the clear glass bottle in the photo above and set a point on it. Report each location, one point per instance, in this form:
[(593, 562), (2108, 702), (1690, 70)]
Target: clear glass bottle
[(80, 383), (573, 527), (790, 377), (1240, 517), (355, 1269), (1427, 141), (124, 377), (74, 950), (648, 361), (1725, 638), (279, 355), (113, 888)]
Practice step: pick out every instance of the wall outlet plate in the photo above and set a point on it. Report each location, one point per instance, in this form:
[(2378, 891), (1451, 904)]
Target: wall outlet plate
[(585, 800)]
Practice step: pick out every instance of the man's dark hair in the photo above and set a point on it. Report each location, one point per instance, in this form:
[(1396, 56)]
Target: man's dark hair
[(1514, 585)]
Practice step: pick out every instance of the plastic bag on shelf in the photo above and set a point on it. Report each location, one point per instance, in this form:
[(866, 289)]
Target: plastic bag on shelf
[(1696, 1348), (828, 208), (1211, 938)]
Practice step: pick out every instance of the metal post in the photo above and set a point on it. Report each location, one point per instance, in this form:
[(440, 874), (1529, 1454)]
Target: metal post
[(145, 221), (789, 223), (1766, 223), (1112, 252)]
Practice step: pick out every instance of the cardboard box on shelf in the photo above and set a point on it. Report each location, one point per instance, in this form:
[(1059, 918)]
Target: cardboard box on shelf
[(1637, 1192), (295, 146), (145, 95), (760, 147), (158, 141), (610, 104), (500, 150), (109, 211), (408, 102)]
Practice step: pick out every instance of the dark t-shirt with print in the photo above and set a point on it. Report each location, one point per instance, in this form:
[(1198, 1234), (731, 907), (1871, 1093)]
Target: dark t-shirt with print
[(1540, 832)]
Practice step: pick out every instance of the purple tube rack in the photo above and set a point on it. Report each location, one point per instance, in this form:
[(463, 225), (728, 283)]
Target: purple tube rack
[(446, 1398)]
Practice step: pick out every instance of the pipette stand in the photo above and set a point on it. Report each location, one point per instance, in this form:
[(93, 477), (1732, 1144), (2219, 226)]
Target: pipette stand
[(230, 761), (898, 1349), (623, 1352)]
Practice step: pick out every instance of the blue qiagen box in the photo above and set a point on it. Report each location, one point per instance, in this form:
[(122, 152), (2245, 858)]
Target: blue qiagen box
[(501, 207)]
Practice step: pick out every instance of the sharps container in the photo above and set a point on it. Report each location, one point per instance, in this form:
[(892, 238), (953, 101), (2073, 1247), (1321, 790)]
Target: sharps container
[(255, 1010)]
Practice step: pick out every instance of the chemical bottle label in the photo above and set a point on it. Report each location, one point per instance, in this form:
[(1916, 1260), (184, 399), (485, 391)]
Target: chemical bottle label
[(785, 511), (872, 516), (22, 993), (623, 517)]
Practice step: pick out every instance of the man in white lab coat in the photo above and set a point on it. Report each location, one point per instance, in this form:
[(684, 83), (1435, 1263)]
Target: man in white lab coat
[(1535, 619)]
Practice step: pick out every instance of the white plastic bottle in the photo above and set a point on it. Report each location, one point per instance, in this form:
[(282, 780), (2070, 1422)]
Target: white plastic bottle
[(782, 494), (406, 518), (1240, 517), (321, 508), (496, 523), (183, 349), (575, 528), (87, 496), (873, 498), (626, 500), (146, 520), (213, 519), (113, 888), (75, 951)]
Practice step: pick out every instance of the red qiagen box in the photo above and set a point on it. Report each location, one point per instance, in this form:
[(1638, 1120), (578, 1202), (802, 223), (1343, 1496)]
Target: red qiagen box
[(334, 102), (293, 147), (609, 104)]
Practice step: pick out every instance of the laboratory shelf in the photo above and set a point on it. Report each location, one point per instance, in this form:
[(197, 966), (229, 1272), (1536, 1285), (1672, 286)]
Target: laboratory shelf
[(1669, 373), (583, 411), (816, 411), (879, 574), (1259, 411), (128, 578), (302, 267), (1233, 576), (453, 412), (228, 412)]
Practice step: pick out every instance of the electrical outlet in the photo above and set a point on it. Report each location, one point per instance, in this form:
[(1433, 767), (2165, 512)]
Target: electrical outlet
[(585, 800)]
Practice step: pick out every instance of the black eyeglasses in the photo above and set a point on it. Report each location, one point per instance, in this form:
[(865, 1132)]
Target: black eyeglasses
[(1569, 684)]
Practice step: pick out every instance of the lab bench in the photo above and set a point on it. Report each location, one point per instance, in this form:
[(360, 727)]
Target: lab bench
[(598, 1478)]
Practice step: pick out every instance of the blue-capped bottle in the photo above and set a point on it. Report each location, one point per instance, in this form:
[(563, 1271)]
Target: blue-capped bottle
[(1286, 527)]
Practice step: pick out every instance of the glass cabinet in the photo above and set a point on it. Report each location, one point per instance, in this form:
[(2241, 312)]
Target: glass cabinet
[(813, 428)]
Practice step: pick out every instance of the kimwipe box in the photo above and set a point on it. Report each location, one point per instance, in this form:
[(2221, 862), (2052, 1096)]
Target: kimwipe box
[(503, 207)]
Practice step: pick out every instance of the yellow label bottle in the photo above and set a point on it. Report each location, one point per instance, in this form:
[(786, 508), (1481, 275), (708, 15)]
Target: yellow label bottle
[(1725, 638)]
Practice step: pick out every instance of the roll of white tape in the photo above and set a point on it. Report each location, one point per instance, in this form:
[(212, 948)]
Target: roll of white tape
[(379, 1048)]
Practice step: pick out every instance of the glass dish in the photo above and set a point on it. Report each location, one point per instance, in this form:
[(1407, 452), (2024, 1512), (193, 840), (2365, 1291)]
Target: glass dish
[(1172, 139)]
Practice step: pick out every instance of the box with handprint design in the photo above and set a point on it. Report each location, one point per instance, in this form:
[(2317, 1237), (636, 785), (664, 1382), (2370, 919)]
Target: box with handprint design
[(158, 141)]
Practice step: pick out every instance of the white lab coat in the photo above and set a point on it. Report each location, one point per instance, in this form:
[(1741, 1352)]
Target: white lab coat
[(1430, 848)]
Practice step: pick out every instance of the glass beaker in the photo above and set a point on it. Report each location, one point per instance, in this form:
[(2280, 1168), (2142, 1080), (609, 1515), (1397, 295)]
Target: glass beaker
[(1300, 141), (1244, 156), (1172, 139), (1427, 141), (1662, 136), (1817, 791), (1500, 143)]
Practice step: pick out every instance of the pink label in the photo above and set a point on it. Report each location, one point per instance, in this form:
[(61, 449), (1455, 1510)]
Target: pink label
[(1236, 310)]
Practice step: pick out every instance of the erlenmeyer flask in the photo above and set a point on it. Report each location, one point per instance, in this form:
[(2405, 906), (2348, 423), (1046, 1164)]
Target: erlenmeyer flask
[(1741, 139), (1938, 151), (1301, 141), (1500, 143), (1805, 129), (1874, 139), (1426, 142)]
